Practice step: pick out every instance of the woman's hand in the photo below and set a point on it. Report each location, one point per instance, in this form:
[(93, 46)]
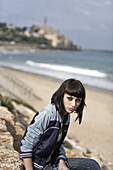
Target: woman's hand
[(62, 165), (28, 164)]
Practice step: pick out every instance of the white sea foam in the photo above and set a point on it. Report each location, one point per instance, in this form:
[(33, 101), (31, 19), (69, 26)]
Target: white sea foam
[(68, 69), (16, 52), (98, 73), (10, 51), (89, 80)]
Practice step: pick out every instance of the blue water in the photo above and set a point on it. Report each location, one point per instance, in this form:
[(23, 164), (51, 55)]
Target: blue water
[(91, 67)]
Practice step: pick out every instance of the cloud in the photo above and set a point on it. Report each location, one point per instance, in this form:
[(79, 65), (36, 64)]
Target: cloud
[(108, 2)]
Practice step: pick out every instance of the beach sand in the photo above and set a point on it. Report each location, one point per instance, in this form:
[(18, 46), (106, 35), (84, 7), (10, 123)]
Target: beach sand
[(96, 130)]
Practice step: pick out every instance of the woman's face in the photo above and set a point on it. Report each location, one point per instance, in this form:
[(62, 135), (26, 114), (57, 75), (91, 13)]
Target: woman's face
[(71, 103)]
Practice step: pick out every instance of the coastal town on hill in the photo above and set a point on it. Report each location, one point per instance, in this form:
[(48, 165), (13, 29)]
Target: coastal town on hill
[(43, 37)]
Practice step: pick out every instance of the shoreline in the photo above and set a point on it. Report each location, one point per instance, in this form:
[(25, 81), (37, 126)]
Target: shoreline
[(94, 88), (20, 46), (25, 46)]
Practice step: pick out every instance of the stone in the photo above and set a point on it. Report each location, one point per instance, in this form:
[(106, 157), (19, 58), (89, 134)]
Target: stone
[(104, 167)]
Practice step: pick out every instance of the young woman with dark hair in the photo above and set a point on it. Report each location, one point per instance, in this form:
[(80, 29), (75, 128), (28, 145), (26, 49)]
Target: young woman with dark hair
[(42, 146)]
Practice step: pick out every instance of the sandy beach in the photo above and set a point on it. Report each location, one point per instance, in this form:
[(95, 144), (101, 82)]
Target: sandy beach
[(96, 130)]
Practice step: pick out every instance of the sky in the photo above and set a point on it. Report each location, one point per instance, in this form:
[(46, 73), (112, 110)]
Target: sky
[(88, 23)]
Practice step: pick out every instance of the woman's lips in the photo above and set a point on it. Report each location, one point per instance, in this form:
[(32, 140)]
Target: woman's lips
[(71, 109)]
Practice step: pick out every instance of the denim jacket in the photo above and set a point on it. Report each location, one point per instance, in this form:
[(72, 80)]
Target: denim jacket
[(41, 136)]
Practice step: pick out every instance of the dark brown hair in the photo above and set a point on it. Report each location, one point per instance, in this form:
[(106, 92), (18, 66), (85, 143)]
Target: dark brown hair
[(72, 87)]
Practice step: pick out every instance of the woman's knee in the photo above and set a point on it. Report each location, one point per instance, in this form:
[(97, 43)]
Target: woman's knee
[(83, 163), (94, 164)]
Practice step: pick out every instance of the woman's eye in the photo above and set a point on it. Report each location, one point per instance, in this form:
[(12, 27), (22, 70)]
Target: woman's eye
[(78, 100), (70, 98)]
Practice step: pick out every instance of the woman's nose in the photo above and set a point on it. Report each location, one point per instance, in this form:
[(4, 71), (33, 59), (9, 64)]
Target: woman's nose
[(73, 103)]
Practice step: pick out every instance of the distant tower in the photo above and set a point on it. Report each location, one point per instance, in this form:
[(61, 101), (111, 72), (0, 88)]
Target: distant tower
[(45, 21)]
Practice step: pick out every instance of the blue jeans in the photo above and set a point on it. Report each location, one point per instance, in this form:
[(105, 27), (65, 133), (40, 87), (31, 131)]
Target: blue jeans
[(77, 164)]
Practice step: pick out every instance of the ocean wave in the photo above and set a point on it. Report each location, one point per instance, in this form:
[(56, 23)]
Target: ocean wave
[(10, 51), (98, 82), (69, 69), (16, 52)]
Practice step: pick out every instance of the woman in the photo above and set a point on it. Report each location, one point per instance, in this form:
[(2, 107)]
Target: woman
[(42, 146)]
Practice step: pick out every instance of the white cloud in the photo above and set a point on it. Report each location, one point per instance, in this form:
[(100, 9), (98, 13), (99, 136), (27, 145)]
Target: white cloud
[(93, 3), (108, 2)]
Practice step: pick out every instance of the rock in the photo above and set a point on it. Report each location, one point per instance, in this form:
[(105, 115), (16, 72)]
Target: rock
[(11, 132), (86, 155), (104, 167), (88, 151), (6, 138), (68, 145), (5, 114), (26, 112), (3, 127), (73, 144)]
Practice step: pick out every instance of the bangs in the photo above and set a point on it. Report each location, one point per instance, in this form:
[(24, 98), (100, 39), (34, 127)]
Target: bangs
[(75, 90), (71, 87)]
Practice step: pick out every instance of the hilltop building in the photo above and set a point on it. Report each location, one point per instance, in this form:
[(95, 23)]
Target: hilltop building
[(57, 40), (41, 36)]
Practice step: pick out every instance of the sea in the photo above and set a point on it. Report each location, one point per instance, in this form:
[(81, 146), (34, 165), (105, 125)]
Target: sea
[(92, 68)]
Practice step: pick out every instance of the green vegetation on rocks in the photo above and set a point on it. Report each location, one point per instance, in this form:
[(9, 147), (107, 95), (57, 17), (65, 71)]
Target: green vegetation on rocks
[(7, 102)]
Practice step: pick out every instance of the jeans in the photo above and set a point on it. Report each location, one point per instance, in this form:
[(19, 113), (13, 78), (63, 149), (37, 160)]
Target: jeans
[(77, 164)]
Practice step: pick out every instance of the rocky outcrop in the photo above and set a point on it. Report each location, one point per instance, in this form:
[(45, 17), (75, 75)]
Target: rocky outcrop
[(12, 128), (9, 157)]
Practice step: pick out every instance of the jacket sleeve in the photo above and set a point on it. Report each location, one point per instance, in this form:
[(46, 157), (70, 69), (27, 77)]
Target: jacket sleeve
[(33, 133), (62, 153)]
